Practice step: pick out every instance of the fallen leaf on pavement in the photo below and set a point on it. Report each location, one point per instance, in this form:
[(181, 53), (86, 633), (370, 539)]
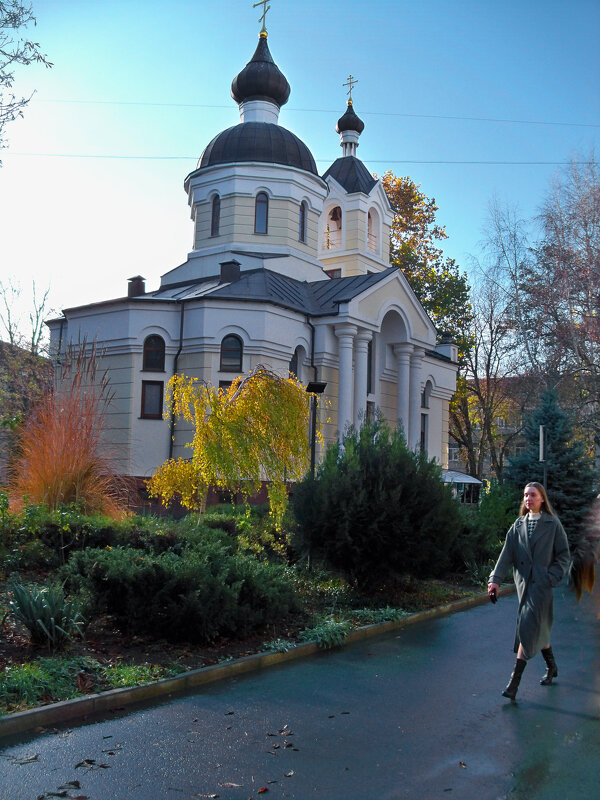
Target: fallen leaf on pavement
[(462, 764), (289, 774), (229, 785), (25, 759)]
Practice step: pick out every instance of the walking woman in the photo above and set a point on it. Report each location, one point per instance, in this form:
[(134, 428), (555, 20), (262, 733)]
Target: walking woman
[(536, 547)]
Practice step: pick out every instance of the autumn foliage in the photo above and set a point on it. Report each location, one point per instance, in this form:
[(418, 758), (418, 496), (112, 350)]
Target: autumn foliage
[(256, 430), (415, 242)]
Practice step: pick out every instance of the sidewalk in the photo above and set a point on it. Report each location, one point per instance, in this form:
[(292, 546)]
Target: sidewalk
[(415, 714)]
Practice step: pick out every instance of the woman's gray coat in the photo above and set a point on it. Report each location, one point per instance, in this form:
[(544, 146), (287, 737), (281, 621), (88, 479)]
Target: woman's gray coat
[(539, 565)]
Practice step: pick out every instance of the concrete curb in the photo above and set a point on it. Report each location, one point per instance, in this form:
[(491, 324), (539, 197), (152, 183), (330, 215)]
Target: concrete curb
[(67, 710)]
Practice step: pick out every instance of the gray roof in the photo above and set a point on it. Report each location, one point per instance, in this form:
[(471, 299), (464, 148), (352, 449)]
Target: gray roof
[(264, 142), (319, 298), (351, 173)]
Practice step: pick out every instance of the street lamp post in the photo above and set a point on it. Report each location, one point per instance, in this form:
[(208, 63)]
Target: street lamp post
[(314, 388)]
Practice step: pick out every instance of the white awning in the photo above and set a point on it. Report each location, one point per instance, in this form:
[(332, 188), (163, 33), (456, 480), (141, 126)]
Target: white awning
[(452, 476)]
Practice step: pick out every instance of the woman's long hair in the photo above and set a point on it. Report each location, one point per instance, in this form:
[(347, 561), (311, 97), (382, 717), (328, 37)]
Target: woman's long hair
[(546, 506)]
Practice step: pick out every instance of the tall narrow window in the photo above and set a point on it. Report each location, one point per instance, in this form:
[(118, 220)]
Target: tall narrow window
[(154, 354), (232, 350), (373, 230), (152, 399), (302, 221), (426, 394), (261, 213), (215, 219), (424, 432), (293, 365)]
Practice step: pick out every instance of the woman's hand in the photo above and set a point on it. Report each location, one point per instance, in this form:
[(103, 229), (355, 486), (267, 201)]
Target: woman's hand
[(493, 591)]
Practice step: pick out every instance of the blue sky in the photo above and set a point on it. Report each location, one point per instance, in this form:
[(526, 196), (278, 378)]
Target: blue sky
[(91, 191)]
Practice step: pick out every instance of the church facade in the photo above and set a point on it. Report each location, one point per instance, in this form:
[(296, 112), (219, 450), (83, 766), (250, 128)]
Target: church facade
[(289, 269)]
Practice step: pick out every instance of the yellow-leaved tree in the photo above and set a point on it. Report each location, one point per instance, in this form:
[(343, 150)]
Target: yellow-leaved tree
[(255, 430)]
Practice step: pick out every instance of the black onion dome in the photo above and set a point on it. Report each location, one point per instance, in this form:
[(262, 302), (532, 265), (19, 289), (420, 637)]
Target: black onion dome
[(258, 141), (261, 78), (350, 121)]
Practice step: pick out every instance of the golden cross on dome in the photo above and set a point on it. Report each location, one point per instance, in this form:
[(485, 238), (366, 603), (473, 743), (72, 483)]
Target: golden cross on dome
[(350, 83), (266, 8)]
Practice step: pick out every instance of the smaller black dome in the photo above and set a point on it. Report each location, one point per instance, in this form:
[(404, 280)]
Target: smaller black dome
[(350, 121), (261, 78), (258, 141)]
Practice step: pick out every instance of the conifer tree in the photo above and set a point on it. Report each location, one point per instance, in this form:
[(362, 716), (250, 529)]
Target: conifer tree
[(571, 481)]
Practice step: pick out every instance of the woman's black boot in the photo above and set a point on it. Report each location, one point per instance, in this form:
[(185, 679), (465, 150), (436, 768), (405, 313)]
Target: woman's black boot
[(551, 668), (515, 679)]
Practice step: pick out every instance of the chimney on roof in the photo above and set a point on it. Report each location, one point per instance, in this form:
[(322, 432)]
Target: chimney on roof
[(448, 347), (136, 286), (230, 271)]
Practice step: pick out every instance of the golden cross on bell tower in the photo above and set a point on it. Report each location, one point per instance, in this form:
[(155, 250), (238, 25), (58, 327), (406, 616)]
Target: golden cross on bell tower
[(350, 83), (263, 3)]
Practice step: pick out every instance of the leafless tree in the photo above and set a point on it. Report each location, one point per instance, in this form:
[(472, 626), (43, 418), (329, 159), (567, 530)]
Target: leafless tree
[(494, 384), (567, 275), (15, 50)]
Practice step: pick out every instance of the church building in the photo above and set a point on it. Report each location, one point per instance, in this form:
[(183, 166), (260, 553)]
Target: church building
[(289, 269)]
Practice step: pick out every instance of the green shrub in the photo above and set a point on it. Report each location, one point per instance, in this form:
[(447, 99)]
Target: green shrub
[(376, 510), (48, 615), (32, 554), (204, 593)]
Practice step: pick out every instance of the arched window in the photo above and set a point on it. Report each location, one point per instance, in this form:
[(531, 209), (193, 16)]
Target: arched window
[(333, 229), (297, 362), (215, 218), (426, 394), (154, 353), (373, 230), (293, 367), (261, 213), (232, 350), (302, 218)]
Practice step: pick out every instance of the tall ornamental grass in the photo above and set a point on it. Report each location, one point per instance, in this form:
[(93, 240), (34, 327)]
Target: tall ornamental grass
[(61, 459)]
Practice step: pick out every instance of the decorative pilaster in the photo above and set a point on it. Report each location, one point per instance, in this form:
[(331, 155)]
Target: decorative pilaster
[(361, 353), (416, 363), (345, 334), (403, 353)]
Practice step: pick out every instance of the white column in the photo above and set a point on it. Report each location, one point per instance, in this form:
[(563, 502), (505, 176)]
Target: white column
[(403, 353), (361, 353), (345, 334), (416, 362)]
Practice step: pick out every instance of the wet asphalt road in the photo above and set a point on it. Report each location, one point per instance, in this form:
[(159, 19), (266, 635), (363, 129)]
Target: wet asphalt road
[(415, 714)]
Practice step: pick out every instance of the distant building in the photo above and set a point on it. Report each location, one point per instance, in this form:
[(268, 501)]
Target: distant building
[(288, 269)]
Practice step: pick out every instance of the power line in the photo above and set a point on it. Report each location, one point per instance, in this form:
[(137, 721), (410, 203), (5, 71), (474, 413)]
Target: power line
[(318, 160), (328, 111)]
